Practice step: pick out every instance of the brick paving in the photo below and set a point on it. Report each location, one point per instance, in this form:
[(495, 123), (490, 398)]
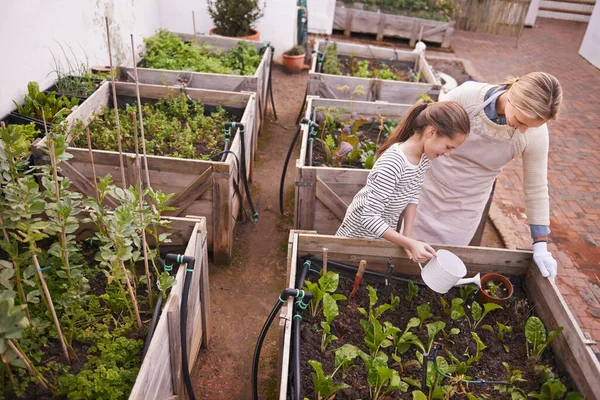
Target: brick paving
[(574, 160)]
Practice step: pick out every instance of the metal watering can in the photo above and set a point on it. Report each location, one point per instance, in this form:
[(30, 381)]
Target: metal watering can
[(445, 271)]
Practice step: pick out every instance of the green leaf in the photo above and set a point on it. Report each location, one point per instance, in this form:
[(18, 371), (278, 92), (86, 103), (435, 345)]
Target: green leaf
[(480, 346), (330, 308), (418, 395), (476, 311), (454, 331), (381, 309), (345, 355), (574, 396), (372, 296), (424, 312)]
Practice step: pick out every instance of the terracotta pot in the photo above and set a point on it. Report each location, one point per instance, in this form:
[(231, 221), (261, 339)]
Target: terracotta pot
[(293, 64), (254, 35), (486, 298)]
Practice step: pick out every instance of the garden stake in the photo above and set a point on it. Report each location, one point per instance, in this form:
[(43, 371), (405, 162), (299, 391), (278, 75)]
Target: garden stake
[(63, 344), (63, 232), (4, 358), (388, 271), (194, 21), (139, 103), (324, 261), (130, 290), (18, 273), (89, 141), (358, 277), (141, 199), (114, 94), (22, 357)]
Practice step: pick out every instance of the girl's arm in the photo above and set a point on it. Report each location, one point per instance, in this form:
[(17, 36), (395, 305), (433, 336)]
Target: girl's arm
[(417, 251), (410, 212)]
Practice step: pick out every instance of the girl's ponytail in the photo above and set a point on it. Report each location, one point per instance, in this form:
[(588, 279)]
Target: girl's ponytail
[(405, 129)]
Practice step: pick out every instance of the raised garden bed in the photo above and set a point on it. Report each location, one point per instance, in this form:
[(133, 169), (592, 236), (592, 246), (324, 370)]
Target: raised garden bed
[(75, 285), (324, 192), (201, 187), (234, 82), (534, 295), (378, 86), (382, 23)]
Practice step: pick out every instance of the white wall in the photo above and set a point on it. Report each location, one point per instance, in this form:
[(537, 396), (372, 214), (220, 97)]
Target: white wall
[(532, 13), (590, 47), (278, 25), (320, 16), (30, 31)]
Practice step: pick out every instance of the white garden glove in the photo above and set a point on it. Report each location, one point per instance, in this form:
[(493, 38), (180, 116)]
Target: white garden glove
[(544, 260)]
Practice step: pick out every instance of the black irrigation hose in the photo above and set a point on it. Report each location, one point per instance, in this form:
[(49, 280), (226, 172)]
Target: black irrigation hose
[(269, 82), (298, 305), (183, 317), (237, 186), (155, 316), (302, 107), (350, 268), (229, 125), (289, 292), (311, 139)]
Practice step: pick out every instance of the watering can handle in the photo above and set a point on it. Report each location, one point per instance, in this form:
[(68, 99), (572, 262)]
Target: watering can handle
[(420, 266)]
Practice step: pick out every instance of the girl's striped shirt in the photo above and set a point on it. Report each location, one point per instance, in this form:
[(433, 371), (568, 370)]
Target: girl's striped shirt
[(392, 184)]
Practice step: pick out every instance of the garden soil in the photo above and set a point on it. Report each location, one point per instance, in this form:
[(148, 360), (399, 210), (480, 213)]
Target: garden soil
[(244, 293)]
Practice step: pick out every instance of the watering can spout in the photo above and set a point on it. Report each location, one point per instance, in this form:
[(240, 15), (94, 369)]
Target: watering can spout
[(465, 281)]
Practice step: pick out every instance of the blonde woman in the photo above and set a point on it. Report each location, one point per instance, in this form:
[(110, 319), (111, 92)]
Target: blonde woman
[(427, 132), (507, 120)]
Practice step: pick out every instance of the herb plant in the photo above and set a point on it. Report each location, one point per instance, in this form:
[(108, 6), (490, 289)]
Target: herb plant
[(536, 337), (323, 384), (49, 107), (234, 17), (326, 284)]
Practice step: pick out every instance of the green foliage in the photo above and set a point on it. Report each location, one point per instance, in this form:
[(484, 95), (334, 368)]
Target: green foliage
[(432, 330), (330, 311), (295, 51), (323, 384), (331, 63), (376, 334), (173, 127), (344, 357), (457, 310), (165, 50), (382, 379), (535, 335), (39, 105), (413, 291), (234, 17), (466, 291), (374, 312), (553, 388), (514, 377), (479, 314), (403, 342), (326, 284), (12, 317), (424, 312)]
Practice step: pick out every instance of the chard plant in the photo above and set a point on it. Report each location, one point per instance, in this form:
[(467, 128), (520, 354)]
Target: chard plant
[(377, 311), (424, 313), (501, 331), (330, 311), (479, 313), (434, 380), (403, 342), (513, 376), (466, 291), (553, 388), (326, 284), (536, 338), (47, 107), (376, 334), (413, 291), (323, 384), (382, 379), (344, 358)]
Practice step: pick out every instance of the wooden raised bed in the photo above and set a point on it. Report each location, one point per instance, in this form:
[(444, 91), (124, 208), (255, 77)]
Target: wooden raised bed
[(203, 80), (160, 375), (323, 194), (202, 188), (326, 85), (571, 349), (389, 25)]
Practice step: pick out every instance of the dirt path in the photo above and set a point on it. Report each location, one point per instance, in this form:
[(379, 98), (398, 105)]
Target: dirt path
[(244, 293)]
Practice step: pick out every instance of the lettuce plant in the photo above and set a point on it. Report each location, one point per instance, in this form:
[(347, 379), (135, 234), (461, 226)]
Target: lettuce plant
[(536, 337)]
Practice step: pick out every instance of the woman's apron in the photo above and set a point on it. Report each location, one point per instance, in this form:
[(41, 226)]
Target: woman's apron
[(457, 188)]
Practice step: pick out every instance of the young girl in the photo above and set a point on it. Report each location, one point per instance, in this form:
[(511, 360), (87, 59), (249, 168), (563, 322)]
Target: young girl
[(427, 132)]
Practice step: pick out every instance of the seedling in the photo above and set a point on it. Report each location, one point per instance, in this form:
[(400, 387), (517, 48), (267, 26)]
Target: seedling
[(535, 335), (479, 314), (330, 311)]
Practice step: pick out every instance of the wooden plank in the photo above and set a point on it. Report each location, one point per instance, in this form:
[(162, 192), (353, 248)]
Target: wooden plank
[(374, 52), (348, 24), (82, 183), (363, 109), (325, 222), (576, 357), (92, 105), (196, 189), (205, 295), (131, 170), (437, 29), (331, 199), (173, 318), (380, 28), (221, 214), (305, 192), (218, 42), (447, 38), (342, 175)]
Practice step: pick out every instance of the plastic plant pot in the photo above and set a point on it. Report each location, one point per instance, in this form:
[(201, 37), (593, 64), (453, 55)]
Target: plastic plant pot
[(489, 282)]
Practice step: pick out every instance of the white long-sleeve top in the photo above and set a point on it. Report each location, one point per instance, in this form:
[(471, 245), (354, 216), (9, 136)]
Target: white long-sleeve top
[(392, 184)]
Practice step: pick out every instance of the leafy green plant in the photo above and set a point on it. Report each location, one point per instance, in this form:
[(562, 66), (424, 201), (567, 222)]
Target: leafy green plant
[(535, 335), (330, 311), (49, 107), (295, 51), (234, 17), (382, 379), (374, 312), (553, 388), (466, 291), (479, 314), (323, 384), (502, 330), (413, 291), (403, 342), (344, 357), (326, 284), (432, 330), (424, 313), (376, 334), (331, 63), (513, 377)]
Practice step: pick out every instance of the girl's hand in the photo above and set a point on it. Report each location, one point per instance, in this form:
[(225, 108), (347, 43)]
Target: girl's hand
[(419, 251)]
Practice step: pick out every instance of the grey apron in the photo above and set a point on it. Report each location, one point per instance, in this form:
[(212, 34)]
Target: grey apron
[(457, 188)]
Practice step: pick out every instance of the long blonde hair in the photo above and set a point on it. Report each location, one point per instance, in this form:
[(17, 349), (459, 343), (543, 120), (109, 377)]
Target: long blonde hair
[(449, 119), (537, 95)]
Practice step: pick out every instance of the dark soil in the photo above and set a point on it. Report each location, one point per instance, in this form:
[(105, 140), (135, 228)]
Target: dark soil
[(346, 326), (400, 68)]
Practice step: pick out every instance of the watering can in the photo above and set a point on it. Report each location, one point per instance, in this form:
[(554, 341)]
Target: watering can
[(445, 271)]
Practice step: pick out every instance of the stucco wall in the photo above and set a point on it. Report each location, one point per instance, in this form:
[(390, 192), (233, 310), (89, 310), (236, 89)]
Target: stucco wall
[(31, 31), (590, 47), (320, 16)]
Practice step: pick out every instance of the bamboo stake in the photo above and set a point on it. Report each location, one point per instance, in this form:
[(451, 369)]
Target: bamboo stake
[(114, 94), (4, 358), (89, 143), (139, 186), (194, 21), (63, 344), (139, 102), (324, 261), (54, 164), (131, 294), (31, 370), (18, 273)]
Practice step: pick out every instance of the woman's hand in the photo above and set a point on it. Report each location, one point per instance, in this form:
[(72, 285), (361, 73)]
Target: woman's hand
[(419, 251)]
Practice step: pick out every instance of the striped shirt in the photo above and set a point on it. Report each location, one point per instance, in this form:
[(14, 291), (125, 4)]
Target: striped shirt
[(392, 184)]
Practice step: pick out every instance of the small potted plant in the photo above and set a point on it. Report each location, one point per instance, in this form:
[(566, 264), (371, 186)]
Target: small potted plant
[(235, 18), (293, 59), (495, 288)]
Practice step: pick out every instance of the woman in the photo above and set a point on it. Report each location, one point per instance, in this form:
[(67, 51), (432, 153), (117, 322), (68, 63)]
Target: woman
[(427, 132), (507, 120)]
